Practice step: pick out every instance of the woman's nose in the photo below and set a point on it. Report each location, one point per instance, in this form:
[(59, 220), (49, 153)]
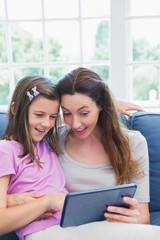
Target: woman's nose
[(76, 123)]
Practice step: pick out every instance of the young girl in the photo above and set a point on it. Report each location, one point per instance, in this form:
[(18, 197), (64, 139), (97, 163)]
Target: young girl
[(28, 161)]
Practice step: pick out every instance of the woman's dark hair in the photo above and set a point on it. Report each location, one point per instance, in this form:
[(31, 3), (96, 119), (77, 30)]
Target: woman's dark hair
[(114, 139)]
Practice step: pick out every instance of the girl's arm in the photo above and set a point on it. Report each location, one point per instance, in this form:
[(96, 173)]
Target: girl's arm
[(138, 213), (26, 197), (18, 216), (23, 197)]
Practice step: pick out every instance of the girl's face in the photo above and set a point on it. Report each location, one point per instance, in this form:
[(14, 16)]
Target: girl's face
[(42, 115), (81, 113)]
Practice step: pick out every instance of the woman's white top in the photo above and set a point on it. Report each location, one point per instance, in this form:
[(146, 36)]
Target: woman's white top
[(81, 176)]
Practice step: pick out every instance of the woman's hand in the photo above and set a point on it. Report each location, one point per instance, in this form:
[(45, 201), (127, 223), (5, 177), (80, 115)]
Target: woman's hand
[(126, 108), (137, 213)]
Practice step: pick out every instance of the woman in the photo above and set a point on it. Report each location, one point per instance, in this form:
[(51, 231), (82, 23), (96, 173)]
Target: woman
[(97, 150)]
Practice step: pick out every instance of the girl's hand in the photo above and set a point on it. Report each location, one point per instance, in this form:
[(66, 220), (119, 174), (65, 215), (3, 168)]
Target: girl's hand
[(55, 201), (21, 198), (120, 214)]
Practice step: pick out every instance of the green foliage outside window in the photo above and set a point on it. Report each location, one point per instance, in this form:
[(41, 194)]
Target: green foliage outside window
[(27, 49), (146, 78)]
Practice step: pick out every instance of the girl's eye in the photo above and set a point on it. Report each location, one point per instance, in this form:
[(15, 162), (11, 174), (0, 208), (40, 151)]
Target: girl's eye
[(39, 115), (53, 117)]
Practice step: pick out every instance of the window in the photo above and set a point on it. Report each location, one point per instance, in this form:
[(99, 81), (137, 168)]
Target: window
[(43, 37), (143, 63), (118, 39), (135, 51)]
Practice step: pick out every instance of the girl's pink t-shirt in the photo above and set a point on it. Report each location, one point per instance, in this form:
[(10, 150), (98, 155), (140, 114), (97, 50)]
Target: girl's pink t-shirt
[(29, 177)]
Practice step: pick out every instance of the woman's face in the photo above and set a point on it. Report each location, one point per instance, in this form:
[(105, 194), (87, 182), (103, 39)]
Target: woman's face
[(81, 113)]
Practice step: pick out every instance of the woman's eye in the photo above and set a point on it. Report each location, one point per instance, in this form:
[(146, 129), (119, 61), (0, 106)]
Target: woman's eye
[(84, 113), (66, 113)]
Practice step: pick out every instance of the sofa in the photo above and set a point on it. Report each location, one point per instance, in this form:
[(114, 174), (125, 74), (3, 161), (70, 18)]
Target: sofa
[(149, 125)]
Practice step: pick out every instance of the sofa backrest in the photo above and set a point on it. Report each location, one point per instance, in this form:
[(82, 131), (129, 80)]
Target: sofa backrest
[(149, 125), (3, 122)]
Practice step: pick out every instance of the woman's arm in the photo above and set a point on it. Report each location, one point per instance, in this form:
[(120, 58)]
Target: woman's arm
[(126, 108), (18, 216)]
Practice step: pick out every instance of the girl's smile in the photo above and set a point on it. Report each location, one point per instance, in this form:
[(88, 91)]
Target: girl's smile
[(42, 116)]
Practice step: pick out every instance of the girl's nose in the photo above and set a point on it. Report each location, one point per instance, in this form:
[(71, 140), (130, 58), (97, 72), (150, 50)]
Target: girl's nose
[(46, 122)]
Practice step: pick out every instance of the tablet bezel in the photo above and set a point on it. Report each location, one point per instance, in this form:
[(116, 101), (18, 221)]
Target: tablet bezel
[(88, 206)]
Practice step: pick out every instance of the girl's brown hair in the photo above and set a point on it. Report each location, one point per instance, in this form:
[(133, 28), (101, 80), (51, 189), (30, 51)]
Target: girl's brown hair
[(17, 128), (114, 139)]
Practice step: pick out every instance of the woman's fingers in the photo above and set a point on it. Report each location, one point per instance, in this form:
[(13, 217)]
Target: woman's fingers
[(121, 214)]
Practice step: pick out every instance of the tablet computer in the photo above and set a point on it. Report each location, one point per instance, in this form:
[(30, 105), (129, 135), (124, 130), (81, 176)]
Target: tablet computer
[(89, 206)]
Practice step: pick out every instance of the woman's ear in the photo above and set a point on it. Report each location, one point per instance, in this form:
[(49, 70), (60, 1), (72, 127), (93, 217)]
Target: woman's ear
[(12, 107)]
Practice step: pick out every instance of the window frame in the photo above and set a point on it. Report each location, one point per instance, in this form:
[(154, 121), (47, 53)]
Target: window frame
[(120, 78)]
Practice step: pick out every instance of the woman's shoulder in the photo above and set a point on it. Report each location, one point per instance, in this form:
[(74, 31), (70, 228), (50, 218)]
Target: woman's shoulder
[(136, 138), (139, 148)]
